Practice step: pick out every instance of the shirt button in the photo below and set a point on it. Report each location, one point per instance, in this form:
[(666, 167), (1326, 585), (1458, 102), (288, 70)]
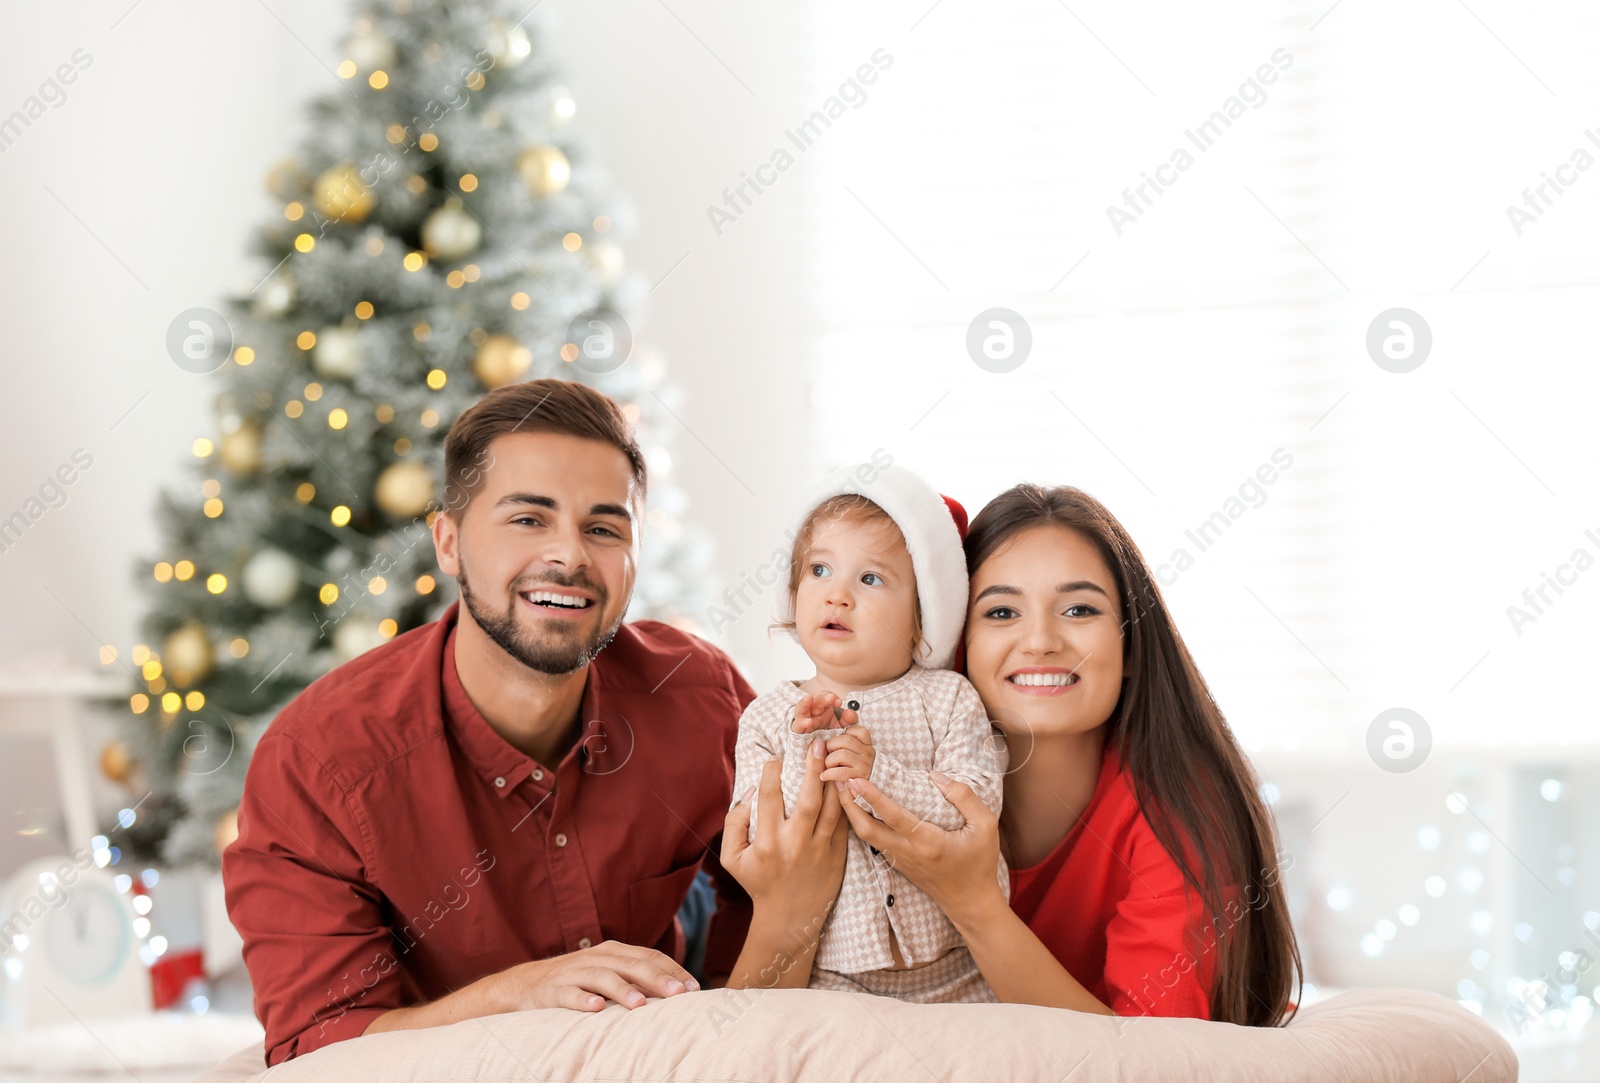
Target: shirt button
[(501, 782), (854, 705), (891, 900), (586, 943), (561, 840), (538, 773)]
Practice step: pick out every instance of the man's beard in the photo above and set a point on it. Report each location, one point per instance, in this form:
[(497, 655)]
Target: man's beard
[(559, 652)]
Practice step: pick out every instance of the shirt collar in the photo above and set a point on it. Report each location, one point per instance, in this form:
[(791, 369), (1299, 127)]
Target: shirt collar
[(491, 755)]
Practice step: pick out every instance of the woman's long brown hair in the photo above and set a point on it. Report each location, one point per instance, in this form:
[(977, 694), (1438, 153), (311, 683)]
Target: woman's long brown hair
[(1194, 786)]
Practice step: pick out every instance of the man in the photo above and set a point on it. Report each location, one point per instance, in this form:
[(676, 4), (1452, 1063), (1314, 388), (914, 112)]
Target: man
[(505, 808)]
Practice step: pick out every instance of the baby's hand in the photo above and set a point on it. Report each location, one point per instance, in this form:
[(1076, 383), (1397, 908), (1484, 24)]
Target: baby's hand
[(819, 712), (849, 755)]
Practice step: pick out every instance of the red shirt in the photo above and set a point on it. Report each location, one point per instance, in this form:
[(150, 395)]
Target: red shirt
[(1111, 904), (392, 846)]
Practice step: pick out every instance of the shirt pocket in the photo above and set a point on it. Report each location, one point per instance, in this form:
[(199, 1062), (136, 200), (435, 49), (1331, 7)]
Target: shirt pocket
[(654, 902)]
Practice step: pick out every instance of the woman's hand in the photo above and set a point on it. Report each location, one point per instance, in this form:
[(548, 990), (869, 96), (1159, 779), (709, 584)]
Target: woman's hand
[(958, 869), (792, 872)]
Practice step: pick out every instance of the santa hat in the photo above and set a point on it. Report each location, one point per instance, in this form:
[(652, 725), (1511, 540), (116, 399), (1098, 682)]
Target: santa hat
[(934, 528)]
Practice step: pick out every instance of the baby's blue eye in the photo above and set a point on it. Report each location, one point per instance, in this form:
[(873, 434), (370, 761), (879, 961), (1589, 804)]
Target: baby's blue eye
[(816, 574), (871, 578)]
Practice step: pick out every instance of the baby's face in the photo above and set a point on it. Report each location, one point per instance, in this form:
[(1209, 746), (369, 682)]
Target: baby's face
[(855, 608)]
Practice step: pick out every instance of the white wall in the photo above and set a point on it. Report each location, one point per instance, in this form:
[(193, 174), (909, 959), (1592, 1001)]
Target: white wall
[(156, 162)]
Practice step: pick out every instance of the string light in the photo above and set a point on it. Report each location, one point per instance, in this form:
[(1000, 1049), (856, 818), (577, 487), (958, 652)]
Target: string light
[(340, 515), (243, 356), (216, 582), (171, 702), (384, 413), (294, 211), (194, 700), (329, 593), (387, 627), (150, 670), (519, 300), (140, 654), (183, 571), (313, 392), (163, 572), (337, 418), (239, 647), (306, 339), (294, 408), (469, 182), (305, 492), (425, 584), (378, 80), (139, 702), (212, 508), (364, 309), (430, 418), (402, 446), (346, 69), (602, 224), (211, 487), (572, 242), (428, 142), (305, 242), (377, 584), (422, 332), (414, 261), (436, 378), (108, 654), (202, 448)]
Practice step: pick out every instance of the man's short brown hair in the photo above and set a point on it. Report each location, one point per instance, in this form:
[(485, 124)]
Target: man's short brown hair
[(559, 406)]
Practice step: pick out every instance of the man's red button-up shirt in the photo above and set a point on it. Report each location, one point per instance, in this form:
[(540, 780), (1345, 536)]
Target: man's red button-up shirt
[(393, 847)]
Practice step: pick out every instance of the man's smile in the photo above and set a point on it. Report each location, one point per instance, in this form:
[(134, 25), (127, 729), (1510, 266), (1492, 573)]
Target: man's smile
[(557, 603)]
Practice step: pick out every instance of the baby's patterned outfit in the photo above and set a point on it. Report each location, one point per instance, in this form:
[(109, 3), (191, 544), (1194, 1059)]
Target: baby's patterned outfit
[(926, 720)]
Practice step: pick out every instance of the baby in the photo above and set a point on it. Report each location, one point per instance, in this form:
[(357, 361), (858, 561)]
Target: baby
[(877, 598)]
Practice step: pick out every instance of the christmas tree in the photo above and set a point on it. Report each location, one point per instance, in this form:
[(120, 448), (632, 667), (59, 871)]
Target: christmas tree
[(440, 235)]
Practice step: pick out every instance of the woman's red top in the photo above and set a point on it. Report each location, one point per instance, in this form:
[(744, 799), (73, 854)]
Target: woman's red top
[(1111, 904)]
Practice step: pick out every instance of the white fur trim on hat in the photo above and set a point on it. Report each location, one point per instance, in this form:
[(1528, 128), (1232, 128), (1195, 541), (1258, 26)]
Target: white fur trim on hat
[(931, 538)]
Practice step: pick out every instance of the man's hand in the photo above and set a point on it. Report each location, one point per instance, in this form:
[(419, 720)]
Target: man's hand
[(581, 980), (586, 979), (849, 755)]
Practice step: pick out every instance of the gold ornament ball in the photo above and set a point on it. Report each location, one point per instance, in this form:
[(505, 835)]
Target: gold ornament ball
[(287, 180), (450, 232), (225, 830), (404, 489), (341, 195), (116, 763), (501, 360), (544, 169), (369, 51), (507, 43), (338, 353), (186, 655), (241, 449)]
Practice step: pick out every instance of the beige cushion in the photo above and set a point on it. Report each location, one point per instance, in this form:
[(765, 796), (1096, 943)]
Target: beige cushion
[(808, 1034)]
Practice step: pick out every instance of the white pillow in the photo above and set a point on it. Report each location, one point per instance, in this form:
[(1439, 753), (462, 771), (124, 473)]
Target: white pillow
[(805, 1035)]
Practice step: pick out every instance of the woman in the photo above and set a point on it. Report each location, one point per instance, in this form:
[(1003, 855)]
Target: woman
[(1144, 872)]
